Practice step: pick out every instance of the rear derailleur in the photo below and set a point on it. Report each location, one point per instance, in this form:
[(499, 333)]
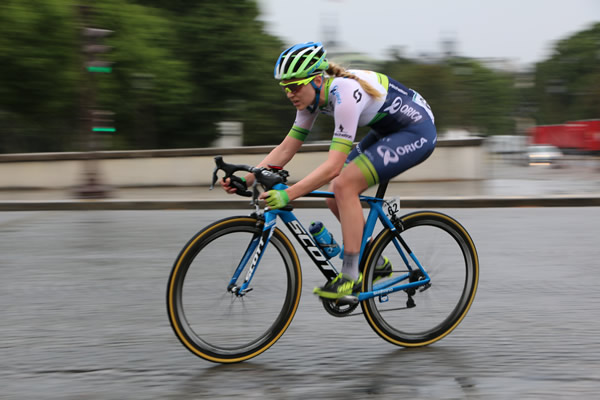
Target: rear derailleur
[(415, 276)]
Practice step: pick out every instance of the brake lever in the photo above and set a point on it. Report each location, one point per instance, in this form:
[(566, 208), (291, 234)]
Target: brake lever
[(255, 193), (214, 179)]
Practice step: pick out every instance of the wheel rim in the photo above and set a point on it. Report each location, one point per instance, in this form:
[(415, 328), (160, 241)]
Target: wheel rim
[(218, 325), (447, 257)]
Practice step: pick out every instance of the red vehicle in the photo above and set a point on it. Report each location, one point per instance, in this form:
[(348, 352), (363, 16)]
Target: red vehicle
[(581, 136)]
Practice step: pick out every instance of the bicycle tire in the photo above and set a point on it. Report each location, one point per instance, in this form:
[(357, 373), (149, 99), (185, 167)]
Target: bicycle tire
[(214, 323), (433, 313)]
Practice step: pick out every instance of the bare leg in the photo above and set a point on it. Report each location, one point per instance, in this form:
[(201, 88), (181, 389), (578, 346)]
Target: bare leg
[(331, 203), (347, 208), (347, 187)]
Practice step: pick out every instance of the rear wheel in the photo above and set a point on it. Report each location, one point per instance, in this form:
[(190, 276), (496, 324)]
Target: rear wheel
[(424, 315), (212, 321)]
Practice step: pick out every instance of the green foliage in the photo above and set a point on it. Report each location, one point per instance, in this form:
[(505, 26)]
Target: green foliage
[(461, 92), (567, 85), (232, 62), (150, 88), (186, 71), (181, 66), (39, 74)]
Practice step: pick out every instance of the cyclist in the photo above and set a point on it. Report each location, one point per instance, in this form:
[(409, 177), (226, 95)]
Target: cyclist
[(402, 135)]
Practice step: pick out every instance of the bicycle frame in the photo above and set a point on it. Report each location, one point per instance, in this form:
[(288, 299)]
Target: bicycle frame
[(260, 241)]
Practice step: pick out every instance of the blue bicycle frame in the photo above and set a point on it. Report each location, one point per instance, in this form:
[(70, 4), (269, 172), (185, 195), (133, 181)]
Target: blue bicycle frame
[(260, 241)]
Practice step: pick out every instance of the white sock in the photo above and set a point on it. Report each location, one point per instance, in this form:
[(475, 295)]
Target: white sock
[(350, 265)]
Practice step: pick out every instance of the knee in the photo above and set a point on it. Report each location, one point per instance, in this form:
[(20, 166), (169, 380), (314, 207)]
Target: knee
[(331, 204), (342, 187)]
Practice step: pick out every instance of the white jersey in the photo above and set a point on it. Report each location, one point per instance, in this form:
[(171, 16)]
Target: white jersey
[(351, 107), (348, 104)]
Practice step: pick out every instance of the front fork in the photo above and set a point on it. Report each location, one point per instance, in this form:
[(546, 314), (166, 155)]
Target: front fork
[(255, 250)]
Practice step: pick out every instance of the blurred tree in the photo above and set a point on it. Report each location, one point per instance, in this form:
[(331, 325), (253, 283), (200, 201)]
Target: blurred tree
[(179, 67), (188, 65), (39, 75), (232, 60), (150, 88), (176, 6), (463, 93), (567, 86), (486, 98)]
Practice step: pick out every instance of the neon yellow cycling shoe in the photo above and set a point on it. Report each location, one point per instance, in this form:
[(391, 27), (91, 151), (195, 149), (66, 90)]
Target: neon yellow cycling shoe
[(341, 286), (383, 270)]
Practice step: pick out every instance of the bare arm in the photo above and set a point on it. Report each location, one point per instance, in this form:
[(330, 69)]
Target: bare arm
[(323, 174), (279, 156)]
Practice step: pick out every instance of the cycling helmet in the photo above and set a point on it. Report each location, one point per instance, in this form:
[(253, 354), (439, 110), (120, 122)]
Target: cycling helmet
[(301, 61)]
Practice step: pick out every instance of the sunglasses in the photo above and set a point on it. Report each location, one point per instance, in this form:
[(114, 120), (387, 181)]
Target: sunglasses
[(295, 86)]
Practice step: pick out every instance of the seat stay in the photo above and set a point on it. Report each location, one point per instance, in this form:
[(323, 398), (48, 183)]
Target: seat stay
[(402, 254), (376, 213), (411, 254)]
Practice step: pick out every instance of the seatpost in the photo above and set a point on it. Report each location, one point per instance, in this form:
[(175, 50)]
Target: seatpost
[(381, 189)]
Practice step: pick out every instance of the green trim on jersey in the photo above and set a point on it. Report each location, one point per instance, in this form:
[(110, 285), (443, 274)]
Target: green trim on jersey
[(326, 89), (368, 170), (383, 80), (377, 118), (343, 145), (298, 133)]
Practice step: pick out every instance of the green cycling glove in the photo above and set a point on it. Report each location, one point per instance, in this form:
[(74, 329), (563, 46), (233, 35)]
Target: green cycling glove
[(277, 199)]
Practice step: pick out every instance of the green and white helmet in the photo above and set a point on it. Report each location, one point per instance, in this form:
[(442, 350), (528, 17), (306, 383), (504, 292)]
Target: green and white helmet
[(301, 61)]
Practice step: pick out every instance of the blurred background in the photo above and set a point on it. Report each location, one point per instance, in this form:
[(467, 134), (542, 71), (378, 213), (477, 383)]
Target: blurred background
[(150, 74), (83, 313)]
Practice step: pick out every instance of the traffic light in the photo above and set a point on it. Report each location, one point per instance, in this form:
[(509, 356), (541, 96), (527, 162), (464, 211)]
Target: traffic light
[(96, 121), (92, 48), (103, 121)]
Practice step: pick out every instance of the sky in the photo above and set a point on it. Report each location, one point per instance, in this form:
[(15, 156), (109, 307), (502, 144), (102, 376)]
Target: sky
[(522, 31)]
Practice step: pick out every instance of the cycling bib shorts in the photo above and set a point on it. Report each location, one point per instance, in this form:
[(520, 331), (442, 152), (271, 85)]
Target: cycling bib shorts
[(380, 158), (402, 125)]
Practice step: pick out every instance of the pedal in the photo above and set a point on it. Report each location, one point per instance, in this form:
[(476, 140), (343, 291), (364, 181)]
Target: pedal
[(383, 299), (347, 300)]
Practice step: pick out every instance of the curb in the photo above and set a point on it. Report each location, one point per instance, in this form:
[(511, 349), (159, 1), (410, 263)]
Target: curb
[(409, 202)]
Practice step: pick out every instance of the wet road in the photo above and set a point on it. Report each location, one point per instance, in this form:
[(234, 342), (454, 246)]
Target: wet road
[(83, 317)]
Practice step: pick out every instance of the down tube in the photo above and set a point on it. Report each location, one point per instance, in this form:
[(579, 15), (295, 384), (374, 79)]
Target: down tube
[(307, 243)]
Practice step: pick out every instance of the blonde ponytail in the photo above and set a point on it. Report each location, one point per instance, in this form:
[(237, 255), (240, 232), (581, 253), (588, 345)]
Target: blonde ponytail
[(339, 71)]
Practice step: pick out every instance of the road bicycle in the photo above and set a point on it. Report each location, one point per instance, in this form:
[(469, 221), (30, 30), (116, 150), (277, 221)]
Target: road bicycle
[(235, 286)]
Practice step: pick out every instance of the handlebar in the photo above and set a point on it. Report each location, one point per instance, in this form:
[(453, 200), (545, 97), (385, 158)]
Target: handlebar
[(266, 177)]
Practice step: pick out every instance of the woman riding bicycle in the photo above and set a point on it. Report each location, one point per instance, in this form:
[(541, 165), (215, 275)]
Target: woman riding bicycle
[(402, 135)]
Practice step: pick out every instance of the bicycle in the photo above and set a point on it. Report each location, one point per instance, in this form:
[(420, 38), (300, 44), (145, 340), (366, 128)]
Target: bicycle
[(246, 270)]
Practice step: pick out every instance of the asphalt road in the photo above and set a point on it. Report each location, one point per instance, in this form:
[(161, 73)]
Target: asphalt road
[(83, 316)]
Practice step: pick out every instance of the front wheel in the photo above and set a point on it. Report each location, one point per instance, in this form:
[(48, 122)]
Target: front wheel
[(423, 315), (212, 320)]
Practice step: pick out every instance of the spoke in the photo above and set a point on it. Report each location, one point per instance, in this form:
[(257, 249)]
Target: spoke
[(439, 249)]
